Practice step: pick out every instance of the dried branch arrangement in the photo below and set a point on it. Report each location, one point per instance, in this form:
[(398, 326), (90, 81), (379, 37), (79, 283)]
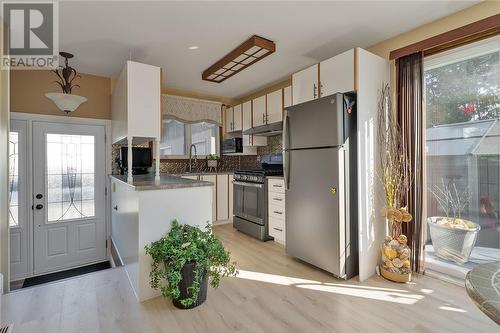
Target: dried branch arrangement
[(395, 170), (452, 201)]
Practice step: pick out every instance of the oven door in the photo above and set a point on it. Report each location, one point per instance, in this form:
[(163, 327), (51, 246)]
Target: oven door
[(249, 201)]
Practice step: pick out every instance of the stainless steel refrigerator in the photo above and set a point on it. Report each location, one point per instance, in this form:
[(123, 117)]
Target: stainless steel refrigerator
[(319, 157)]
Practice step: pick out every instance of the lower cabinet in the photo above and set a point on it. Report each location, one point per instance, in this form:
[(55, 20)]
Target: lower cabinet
[(213, 179), (222, 198), (276, 209), (222, 195)]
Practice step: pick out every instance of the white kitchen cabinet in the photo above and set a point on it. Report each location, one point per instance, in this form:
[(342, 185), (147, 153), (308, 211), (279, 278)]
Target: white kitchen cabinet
[(246, 119), (135, 103), (212, 179), (305, 85), (337, 74), (274, 107), (237, 120), (276, 209), (287, 96), (229, 119), (222, 198), (230, 196), (136, 110), (259, 111)]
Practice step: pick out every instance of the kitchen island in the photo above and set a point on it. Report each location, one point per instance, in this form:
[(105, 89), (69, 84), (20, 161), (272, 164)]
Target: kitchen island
[(141, 213)]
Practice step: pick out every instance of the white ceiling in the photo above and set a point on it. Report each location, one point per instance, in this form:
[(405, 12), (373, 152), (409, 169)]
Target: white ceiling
[(103, 35)]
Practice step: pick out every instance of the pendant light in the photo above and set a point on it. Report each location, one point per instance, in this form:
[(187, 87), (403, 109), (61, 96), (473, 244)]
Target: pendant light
[(66, 101)]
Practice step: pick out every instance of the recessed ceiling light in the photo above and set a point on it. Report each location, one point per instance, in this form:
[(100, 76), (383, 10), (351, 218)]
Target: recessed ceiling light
[(194, 47)]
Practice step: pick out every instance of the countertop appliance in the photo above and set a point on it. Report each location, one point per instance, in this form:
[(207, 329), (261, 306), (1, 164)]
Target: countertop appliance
[(319, 152), (250, 213), (232, 146)]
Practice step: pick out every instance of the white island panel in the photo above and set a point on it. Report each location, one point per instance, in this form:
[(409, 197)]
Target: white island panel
[(158, 208)]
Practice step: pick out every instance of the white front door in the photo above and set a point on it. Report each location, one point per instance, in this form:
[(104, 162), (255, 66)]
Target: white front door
[(68, 195), (18, 200)]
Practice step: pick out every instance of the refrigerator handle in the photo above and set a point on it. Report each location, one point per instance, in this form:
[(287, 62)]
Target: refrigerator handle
[(286, 151)]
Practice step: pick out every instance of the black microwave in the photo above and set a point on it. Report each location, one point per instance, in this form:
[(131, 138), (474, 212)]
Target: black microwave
[(232, 146)]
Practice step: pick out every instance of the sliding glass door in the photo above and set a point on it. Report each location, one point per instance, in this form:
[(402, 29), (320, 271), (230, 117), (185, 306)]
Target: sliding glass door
[(462, 101)]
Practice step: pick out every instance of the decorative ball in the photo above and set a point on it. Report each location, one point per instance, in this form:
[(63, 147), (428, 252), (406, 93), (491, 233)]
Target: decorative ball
[(402, 239), (397, 263), (390, 253)]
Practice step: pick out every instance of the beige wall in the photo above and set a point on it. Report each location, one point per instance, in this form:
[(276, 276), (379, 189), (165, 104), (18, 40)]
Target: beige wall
[(28, 88), (459, 19)]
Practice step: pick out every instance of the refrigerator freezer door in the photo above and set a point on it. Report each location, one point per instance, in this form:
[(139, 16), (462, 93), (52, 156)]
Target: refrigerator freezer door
[(314, 206), (318, 123)]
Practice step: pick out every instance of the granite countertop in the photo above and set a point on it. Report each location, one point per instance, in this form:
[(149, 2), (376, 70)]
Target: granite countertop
[(483, 286), (167, 182), (208, 173)]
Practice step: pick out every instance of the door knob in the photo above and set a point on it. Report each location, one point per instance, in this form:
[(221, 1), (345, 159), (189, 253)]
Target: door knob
[(39, 206), (39, 196), (333, 190)]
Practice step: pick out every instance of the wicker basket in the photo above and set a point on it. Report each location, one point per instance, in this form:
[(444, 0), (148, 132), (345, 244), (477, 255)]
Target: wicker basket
[(452, 243), (395, 277)]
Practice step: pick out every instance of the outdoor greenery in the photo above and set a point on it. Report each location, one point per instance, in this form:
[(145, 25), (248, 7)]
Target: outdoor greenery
[(184, 244), (463, 91)]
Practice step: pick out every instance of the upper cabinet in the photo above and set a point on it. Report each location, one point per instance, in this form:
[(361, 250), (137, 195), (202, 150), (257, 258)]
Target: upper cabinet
[(237, 121), (274, 107), (337, 74), (259, 111), (326, 78), (136, 103), (287, 96), (305, 85), (233, 119), (229, 119)]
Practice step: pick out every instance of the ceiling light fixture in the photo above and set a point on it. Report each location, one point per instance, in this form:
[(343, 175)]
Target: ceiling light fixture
[(66, 101), (249, 52), (194, 47)]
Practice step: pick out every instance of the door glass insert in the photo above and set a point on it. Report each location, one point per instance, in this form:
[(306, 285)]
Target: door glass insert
[(70, 177), (13, 179)]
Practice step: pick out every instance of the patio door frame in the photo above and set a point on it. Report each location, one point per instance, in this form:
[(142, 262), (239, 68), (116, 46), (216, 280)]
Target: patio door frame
[(29, 118)]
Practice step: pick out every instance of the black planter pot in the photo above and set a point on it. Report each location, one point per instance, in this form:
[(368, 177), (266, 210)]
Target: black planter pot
[(188, 276)]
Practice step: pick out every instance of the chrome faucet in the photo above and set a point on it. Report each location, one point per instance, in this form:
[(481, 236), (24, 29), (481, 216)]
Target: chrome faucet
[(191, 157)]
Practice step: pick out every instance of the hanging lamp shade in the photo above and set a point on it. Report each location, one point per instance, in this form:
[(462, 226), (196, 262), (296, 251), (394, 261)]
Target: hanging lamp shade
[(66, 102), (66, 74)]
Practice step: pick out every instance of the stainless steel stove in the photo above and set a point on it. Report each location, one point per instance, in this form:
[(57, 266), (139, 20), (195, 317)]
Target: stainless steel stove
[(250, 197)]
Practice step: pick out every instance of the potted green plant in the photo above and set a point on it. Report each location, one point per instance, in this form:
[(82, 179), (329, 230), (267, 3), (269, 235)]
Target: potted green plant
[(212, 161), (184, 260)]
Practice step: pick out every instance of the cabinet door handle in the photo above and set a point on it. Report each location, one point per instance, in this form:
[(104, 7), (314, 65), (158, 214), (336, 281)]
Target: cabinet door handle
[(263, 118), (278, 212), (277, 185), (320, 89), (115, 207), (278, 229), (277, 199), (315, 88)]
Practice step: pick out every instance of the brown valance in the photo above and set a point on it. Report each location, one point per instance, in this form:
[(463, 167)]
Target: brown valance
[(481, 29)]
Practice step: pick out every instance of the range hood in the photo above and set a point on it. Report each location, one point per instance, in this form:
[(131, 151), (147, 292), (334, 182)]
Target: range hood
[(266, 130)]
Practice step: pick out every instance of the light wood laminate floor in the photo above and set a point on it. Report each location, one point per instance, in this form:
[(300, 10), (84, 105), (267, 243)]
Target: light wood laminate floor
[(273, 293)]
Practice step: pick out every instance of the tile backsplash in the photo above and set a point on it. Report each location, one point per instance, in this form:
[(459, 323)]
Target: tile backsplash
[(226, 163)]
